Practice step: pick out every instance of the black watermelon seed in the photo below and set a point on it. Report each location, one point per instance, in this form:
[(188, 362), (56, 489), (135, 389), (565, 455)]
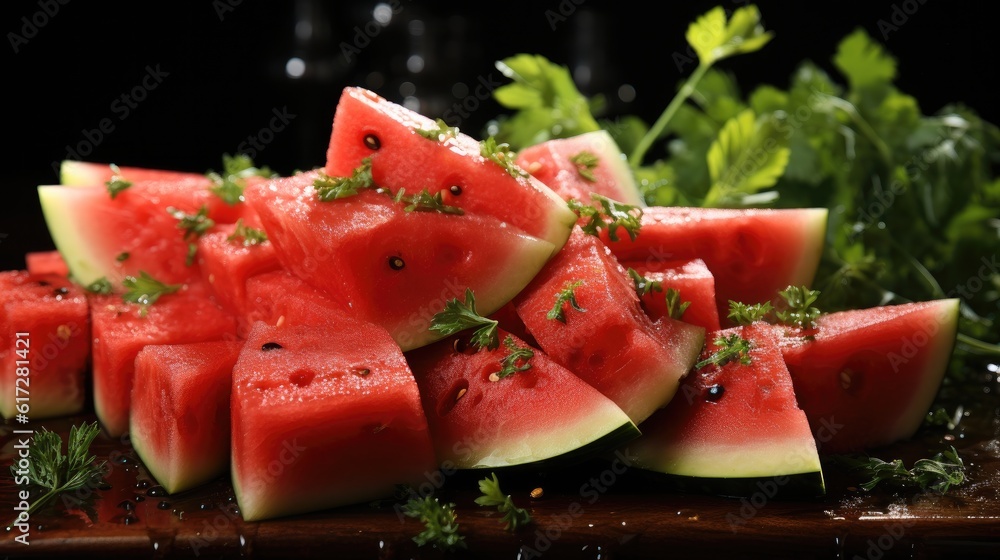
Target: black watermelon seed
[(455, 190), (715, 392), (163, 505), (372, 142), (268, 346)]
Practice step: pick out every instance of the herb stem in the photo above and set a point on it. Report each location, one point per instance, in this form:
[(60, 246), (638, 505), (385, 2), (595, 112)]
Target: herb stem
[(639, 152)]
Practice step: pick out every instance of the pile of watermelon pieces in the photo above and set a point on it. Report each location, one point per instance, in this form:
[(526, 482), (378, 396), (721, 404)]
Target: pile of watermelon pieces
[(427, 300)]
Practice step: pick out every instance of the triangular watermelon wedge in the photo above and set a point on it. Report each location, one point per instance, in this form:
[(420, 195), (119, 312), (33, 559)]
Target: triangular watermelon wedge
[(406, 154), (389, 266)]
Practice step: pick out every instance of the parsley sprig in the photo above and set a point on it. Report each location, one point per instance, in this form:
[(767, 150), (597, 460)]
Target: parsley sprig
[(676, 307), (566, 295), (424, 201), (732, 347), (247, 235), (938, 474), (440, 132), (517, 359), (610, 216), (502, 155), (743, 314), (800, 311), (56, 472), (492, 496), (333, 188), (644, 286), (585, 163), (458, 316), (117, 183), (440, 522), (230, 184), (145, 290)]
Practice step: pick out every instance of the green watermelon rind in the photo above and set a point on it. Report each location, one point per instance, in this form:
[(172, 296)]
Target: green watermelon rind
[(799, 485), (76, 174), (813, 240), (82, 255)]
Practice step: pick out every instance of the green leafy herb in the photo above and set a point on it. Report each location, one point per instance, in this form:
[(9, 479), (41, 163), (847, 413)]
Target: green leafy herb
[(610, 216), (440, 132), (230, 184), (938, 473), (122, 257), (117, 183), (194, 226), (643, 285), (440, 523), (732, 347), (940, 417), (492, 496), (145, 289), (50, 469), (747, 157), (458, 316), (743, 314), (516, 360), (585, 163), (247, 235), (502, 155), (676, 307), (424, 201), (334, 188), (566, 295), (800, 311), (100, 286)]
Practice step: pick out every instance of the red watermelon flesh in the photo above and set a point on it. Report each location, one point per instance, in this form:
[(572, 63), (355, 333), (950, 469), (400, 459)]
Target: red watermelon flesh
[(580, 165), (542, 414), (867, 377), (120, 331), (694, 284), (324, 416), (278, 297), (752, 253), (732, 422), (613, 345), (41, 263), (367, 125), (179, 422), (45, 345), (508, 320), (87, 173), (226, 264), (404, 266)]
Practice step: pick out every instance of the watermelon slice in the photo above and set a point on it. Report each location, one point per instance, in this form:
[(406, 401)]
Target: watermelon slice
[(613, 344), (732, 428), (179, 421), (867, 377), (226, 262), (403, 266), (752, 253), (324, 416), (41, 263), (542, 415), (87, 174), (580, 165), (44, 345), (694, 284), (367, 125), (121, 330), (278, 297)]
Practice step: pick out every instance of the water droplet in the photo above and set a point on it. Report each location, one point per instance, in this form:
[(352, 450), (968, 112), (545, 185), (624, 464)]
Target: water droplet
[(163, 505), (130, 519), (715, 393), (127, 505), (156, 492), (142, 484), (139, 497)]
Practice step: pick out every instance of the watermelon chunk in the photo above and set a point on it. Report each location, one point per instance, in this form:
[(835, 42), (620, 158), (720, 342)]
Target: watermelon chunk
[(544, 414), (368, 125), (179, 421), (404, 266), (613, 344), (226, 264), (87, 173), (578, 166), (121, 330), (694, 284), (734, 427), (333, 403), (40, 263), (752, 253), (867, 377), (278, 297), (44, 345)]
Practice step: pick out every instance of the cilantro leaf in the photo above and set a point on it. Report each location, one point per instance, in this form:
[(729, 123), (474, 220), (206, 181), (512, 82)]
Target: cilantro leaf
[(746, 157), (334, 188), (714, 38), (643, 285), (516, 360), (743, 314), (863, 61), (566, 295), (145, 289), (229, 184), (585, 163), (732, 347), (800, 311), (458, 316), (247, 235), (492, 496), (502, 155), (440, 522), (116, 183), (938, 474), (440, 132), (675, 307), (610, 216), (424, 201)]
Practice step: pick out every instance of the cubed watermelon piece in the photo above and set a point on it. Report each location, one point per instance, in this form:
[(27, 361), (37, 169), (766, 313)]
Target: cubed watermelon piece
[(40, 263), (179, 422), (694, 284), (324, 416), (44, 345), (606, 338), (227, 262), (120, 330), (278, 297)]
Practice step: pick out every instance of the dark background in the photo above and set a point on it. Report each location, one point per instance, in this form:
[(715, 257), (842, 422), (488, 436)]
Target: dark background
[(225, 63)]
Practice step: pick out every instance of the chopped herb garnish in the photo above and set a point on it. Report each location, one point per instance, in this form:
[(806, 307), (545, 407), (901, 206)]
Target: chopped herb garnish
[(333, 188), (643, 285), (440, 522), (247, 235), (194, 225), (731, 348), (938, 473), (610, 216), (566, 295), (100, 286), (117, 183), (585, 163), (229, 184), (440, 132), (517, 360), (458, 316), (145, 289), (492, 496), (676, 307), (800, 311), (424, 201), (123, 256), (502, 155), (743, 314)]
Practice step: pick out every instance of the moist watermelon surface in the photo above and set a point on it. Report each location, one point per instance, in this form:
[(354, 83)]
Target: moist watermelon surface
[(751, 253), (867, 377), (581, 165), (89, 174), (46, 262), (335, 403), (367, 125), (179, 420), (731, 426), (544, 414), (404, 266), (227, 262), (694, 284)]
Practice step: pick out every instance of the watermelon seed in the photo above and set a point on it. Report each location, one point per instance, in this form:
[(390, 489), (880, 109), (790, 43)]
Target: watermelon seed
[(715, 392), (268, 346), (163, 504), (139, 497), (129, 519), (455, 190), (372, 142), (362, 371), (156, 492), (461, 393), (60, 292), (43, 283), (537, 493), (396, 263), (63, 332), (845, 379), (494, 377)]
